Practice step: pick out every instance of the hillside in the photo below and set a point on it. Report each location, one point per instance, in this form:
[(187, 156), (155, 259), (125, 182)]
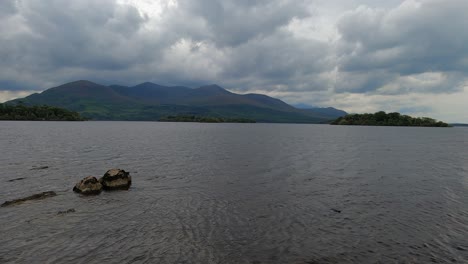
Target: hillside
[(149, 101), (331, 111)]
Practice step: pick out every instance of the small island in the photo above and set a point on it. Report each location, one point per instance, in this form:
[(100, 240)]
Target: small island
[(37, 113), (391, 119), (204, 119)]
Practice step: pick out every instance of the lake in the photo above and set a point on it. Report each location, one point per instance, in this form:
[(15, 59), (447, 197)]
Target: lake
[(235, 193)]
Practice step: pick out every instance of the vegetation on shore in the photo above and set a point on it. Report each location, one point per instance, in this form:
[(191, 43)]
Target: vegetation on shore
[(37, 113), (205, 119), (391, 119)]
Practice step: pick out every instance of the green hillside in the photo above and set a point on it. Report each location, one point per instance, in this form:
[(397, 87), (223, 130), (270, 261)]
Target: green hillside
[(149, 101)]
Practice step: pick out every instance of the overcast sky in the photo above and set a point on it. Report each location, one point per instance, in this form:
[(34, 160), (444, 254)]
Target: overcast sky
[(357, 55)]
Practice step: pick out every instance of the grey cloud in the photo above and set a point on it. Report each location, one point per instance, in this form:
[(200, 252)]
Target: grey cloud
[(415, 109), (415, 38), (7, 8), (64, 37), (279, 56), (103, 38), (63, 34), (362, 82), (234, 22)]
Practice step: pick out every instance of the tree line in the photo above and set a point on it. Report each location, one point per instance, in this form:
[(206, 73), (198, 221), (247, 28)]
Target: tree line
[(37, 113), (391, 119), (204, 119)]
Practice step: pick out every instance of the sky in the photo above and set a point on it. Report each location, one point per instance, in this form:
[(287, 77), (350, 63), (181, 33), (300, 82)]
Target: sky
[(357, 55)]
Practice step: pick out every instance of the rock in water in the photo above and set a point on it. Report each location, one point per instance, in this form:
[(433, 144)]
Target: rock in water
[(17, 179), (40, 168), (38, 196), (88, 185), (66, 212), (116, 179)]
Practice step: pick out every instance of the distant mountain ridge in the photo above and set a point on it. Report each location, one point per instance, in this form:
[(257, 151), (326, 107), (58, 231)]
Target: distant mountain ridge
[(149, 101)]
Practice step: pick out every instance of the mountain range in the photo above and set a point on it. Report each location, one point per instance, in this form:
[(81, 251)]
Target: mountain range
[(149, 101)]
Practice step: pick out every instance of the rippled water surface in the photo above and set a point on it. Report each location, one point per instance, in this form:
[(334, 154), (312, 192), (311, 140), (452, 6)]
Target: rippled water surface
[(235, 193)]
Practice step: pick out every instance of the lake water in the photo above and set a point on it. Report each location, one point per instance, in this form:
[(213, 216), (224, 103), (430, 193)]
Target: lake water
[(235, 193)]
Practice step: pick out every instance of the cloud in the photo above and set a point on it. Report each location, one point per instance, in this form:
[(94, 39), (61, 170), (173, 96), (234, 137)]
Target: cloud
[(101, 37), (417, 38), (234, 22), (60, 35), (10, 95), (311, 51)]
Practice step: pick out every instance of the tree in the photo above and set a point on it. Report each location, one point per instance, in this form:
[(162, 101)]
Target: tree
[(23, 112), (391, 119)]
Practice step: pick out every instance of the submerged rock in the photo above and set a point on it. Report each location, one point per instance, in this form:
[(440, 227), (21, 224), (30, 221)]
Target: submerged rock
[(66, 212), (88, 186), (17, 179), (38, 196), (116, 179), (40, 168)]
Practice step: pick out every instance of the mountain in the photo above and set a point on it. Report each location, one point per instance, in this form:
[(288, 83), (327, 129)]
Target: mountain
[(324, 110), (149, 101), (329, 111), (303, 106)]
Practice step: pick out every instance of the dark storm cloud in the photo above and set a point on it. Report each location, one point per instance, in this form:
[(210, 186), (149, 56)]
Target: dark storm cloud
[(91, 34), (7, 8), (415, 38), (279, 59), (304, 50), (46, 37), (231, 23), (92, 39)]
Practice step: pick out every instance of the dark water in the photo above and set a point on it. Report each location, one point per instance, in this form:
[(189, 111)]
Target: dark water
[(236, 193)]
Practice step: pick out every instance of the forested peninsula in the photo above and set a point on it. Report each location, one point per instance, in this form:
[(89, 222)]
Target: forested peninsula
[(391, 119), (37, 113)]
